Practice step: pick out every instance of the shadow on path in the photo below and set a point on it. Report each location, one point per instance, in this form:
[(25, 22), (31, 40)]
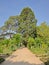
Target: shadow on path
[(18, 63)]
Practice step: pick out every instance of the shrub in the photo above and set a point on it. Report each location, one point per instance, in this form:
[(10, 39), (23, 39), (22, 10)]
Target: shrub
[(5, 42), (17, 38), (1, 60), (31, 42), (1, 50), (38, 42)]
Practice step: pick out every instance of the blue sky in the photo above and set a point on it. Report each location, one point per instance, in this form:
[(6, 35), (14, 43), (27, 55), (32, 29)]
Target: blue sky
[(14, 7)]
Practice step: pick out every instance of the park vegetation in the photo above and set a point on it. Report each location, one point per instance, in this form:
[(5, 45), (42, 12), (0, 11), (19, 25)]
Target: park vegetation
[(26, 33)]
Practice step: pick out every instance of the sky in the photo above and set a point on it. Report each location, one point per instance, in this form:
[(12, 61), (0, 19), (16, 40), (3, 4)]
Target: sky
[(14, 7)]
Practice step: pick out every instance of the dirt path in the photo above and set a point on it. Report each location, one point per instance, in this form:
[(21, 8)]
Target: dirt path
[(22, 57)]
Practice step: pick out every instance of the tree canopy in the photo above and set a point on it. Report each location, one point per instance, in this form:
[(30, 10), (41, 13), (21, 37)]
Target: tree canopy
[(25, 23)]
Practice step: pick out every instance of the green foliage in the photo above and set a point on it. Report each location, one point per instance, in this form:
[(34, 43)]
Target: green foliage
[(37, 46), (9, 45), (9, 23), (36, 38), (38, 41), (5, 42), (43, 32), (1, 50), (15, 42), (47, 63), (27, 23), (31, 42), (27, 12), (3, 29), (17, 37)]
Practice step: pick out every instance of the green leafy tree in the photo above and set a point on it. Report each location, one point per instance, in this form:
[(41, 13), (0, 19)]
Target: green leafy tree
[(9, 23), (14, 23), (3, 29), (27, 23), (43, 32)]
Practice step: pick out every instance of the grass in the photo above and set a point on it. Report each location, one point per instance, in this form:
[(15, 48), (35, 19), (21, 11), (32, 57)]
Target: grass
[(38, 51), (42, 53)]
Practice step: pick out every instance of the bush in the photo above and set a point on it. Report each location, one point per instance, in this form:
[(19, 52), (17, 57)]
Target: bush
[(31, 42), (9, 45), (5, 42), (47, 63), (38, 42), (17, 38), (1, 60), (1, 50), (37, 46)]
